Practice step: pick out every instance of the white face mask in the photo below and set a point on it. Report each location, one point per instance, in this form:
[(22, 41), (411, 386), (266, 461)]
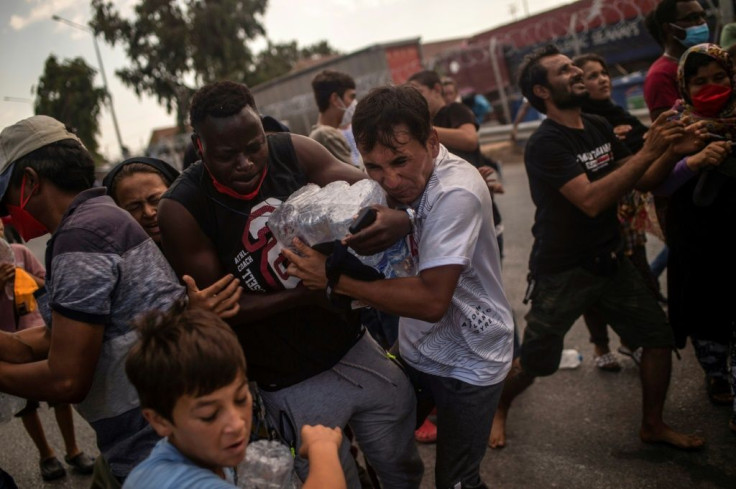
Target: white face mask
[(347, 116)]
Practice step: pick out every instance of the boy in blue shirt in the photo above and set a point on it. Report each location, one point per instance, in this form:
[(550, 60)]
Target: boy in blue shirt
[(189, 371)]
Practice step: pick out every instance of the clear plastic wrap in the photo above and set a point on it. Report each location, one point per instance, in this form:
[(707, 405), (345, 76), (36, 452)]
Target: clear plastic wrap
[(319, 215)]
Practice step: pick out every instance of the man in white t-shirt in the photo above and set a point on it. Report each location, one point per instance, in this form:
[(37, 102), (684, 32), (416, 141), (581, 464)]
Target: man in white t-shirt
[(456, 328)]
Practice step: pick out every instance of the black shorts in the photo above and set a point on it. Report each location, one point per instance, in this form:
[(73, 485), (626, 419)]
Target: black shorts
[(622, 298)]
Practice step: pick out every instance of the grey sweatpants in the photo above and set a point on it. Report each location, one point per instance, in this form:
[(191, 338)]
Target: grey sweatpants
[(372, 394)]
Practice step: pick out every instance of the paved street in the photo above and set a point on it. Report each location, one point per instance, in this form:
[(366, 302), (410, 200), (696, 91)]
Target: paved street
[(576, 429)]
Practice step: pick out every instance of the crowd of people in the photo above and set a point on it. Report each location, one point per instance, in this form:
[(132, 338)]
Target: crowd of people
[(180, 328)]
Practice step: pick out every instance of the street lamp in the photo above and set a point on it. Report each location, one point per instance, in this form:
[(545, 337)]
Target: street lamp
[(68, 22)]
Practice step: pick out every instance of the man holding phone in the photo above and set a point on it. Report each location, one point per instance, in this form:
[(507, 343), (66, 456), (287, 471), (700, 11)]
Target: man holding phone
[(456, 329)]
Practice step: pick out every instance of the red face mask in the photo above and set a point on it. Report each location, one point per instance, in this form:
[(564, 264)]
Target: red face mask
[(710, 99), (28, 226)]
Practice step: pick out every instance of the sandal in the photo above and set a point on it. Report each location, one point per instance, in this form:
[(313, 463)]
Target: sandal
[(51, 469), (607, 362), (719, 391), (81, 463), (427, 433)]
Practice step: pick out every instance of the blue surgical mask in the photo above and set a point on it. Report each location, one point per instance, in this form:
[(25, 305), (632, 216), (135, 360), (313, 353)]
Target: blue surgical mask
[(694, 35)]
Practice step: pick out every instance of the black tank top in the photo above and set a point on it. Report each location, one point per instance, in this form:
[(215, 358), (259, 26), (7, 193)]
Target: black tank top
[(289, 346)]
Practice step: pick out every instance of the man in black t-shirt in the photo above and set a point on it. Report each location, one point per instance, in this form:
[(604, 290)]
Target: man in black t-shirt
[(454, 122), (577, 171)]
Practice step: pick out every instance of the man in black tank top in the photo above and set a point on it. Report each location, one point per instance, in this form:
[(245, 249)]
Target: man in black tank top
[(313, 364)]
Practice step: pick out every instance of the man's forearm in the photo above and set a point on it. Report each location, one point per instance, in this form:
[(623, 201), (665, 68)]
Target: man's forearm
[(458, 138), (33, 381), (24, 346), (605, 192), (407, 296), (657, 172)]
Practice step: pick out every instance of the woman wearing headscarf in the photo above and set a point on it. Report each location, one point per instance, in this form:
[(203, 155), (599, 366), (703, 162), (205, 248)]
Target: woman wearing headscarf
[(700, 220), (136, 185)]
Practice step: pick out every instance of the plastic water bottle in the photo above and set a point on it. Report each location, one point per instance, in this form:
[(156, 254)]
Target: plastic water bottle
[(570, 359), (267, 465)]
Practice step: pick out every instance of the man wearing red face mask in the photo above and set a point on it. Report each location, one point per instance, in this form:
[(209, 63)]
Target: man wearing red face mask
[(312, 363), (102, 271)]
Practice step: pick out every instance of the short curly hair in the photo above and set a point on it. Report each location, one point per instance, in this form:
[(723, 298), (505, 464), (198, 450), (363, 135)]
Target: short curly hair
[(220, 99)]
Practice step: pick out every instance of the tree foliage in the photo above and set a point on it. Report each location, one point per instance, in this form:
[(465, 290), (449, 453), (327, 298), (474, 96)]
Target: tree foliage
[(175, 46), (172, 42), (66, 92), (278, 59)]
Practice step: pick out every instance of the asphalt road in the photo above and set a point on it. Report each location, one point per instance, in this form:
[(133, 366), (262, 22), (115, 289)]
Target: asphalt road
[(576, 429)]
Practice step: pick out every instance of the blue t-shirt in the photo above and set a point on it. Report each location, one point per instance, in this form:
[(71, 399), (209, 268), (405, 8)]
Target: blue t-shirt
[(166, 467)]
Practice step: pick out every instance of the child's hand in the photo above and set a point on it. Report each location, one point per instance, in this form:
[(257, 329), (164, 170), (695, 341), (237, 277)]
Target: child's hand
[(319, 437)]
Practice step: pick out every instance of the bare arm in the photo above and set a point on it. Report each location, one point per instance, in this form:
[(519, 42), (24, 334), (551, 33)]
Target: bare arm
[(691, 141), (426, 297), (192, 253), (320, 166), (320, 445), (66, 375), (595, 197), (464, 138), (28, 345)]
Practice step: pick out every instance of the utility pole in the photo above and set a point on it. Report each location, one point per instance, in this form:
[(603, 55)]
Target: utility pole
[(123, 150)]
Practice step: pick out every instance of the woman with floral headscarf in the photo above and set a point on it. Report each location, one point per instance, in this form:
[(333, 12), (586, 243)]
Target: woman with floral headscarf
[(701, 214)]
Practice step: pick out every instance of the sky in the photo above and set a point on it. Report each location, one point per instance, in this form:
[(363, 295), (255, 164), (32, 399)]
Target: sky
[(28, 36)]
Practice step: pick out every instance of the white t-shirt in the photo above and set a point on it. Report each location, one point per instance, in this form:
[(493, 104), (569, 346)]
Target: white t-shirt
[(473, 342)]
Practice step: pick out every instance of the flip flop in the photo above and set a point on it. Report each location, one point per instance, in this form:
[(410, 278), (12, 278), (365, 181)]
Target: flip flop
[(427, 433), (607, 362)]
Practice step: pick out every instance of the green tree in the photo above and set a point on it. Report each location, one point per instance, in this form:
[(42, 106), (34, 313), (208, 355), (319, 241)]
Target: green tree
[(279, 59), (66, 92), (176, 45)]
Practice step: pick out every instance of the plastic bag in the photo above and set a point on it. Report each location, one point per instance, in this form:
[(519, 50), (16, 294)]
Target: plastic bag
[(321, 215)]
